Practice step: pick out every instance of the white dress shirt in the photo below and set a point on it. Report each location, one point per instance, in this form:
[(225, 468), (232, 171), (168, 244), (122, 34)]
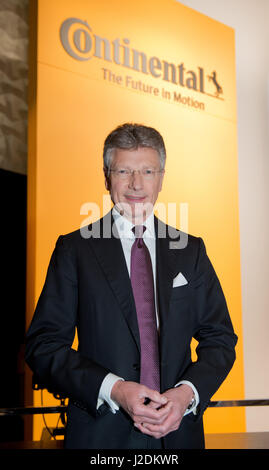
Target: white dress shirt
[(127, 238)]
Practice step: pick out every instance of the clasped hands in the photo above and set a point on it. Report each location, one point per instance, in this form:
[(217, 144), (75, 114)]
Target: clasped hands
[(153, 413)]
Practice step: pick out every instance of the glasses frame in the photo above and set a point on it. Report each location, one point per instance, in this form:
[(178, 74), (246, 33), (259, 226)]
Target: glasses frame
[(130, 173)]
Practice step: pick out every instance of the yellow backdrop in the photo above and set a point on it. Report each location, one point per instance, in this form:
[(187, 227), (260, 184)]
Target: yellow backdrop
[(160, 63)]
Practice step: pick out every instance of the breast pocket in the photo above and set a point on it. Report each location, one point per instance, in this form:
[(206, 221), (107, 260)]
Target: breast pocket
[(181, 292)]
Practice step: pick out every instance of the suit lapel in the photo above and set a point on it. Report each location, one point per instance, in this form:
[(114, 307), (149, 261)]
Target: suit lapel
[(167, 267), (109, 253), (164, 272)]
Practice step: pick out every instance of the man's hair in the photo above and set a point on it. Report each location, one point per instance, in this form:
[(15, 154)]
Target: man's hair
[(131, 137)]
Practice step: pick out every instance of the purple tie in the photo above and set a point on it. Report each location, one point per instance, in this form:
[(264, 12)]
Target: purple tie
[(143, 290)]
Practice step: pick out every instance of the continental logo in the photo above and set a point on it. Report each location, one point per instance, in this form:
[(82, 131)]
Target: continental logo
[(79, 41)]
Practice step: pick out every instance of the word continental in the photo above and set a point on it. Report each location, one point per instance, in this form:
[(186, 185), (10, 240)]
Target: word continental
[(82, 44)]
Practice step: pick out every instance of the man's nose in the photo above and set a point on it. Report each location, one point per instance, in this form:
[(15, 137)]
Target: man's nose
[(136, 180)]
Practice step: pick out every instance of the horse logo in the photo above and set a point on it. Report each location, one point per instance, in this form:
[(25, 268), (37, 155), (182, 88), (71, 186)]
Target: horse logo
[(213, 78)]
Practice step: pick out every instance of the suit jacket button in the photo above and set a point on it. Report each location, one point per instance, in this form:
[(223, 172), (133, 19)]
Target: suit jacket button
[(136, 366)]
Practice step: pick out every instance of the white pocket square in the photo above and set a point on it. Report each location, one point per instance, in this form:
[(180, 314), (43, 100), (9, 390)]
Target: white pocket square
[(179, 280)]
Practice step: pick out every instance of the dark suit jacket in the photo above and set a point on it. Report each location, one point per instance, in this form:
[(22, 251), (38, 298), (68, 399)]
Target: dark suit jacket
[(88, 287)]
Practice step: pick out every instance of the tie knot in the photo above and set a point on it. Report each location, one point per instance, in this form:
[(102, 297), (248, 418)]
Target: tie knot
[(138, 231)]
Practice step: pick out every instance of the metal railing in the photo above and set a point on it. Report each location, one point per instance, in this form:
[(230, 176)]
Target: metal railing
[(32, 410)]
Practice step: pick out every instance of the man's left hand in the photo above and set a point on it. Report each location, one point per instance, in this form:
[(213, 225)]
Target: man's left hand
[(180, 397)]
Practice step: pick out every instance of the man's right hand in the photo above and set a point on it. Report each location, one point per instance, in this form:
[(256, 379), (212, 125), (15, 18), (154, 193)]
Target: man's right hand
[(131, 396)]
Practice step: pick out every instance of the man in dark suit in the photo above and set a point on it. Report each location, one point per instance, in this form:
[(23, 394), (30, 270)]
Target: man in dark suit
[(137, 291)]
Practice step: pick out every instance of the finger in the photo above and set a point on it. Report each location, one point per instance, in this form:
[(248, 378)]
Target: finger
[(155, 396), (156, 406), (145, 430), (162, 429), (153, 404), (149, 414), (162, 425), (147, 417), (156, 431)]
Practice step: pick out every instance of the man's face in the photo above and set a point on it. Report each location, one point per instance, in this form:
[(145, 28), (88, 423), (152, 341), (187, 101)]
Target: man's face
[(136, 194)]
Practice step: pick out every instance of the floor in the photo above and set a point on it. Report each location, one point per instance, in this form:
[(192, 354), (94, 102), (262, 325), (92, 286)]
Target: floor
[(254, 440)]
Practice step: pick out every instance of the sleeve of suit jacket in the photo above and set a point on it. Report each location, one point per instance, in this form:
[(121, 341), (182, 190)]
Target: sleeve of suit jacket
[(213, 331), (49, 340)]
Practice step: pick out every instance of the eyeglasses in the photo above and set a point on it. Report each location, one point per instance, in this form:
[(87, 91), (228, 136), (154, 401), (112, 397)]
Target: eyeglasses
[(125, 174)]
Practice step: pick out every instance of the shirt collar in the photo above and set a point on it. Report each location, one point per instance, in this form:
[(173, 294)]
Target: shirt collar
[(124, 226)]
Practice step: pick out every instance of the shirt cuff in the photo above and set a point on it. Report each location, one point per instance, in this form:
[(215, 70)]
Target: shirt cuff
[(193, 408), (105, 391)]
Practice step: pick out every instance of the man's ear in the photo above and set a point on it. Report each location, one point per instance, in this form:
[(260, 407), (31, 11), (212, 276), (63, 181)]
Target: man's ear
[(161, 180), (107, 179)]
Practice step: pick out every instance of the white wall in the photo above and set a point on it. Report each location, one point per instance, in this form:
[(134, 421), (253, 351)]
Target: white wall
[(250, 19)]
